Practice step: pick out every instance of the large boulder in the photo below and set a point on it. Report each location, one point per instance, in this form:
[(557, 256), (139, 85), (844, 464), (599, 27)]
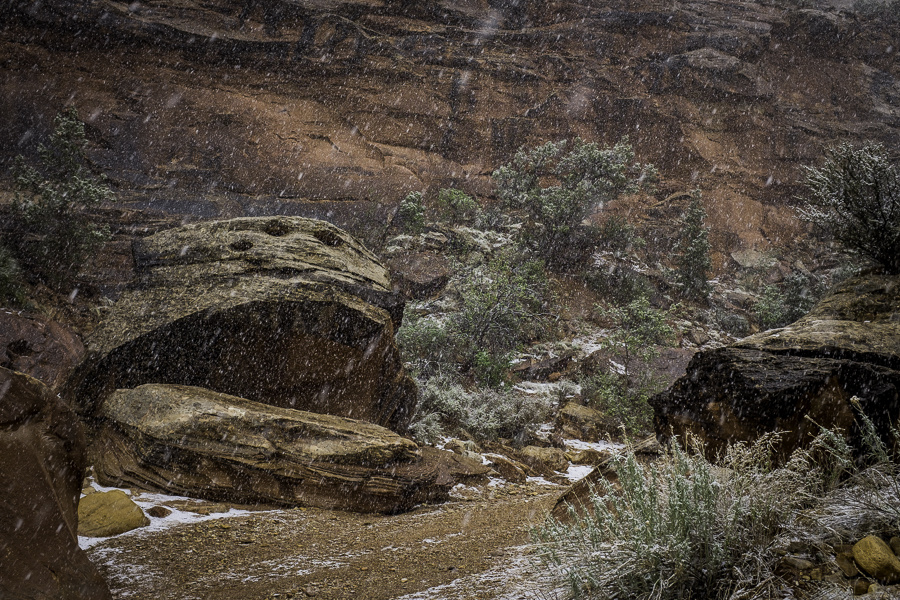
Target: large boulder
[(286, 311), (195, 442), (798, 377), (41, 468)]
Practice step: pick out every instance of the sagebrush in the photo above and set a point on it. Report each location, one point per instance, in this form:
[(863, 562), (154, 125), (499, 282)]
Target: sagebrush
[(447, 408), (682, 527), (855, 195)]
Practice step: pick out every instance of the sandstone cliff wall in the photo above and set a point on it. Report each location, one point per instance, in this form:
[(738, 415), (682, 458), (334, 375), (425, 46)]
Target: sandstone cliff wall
[(250, 103)]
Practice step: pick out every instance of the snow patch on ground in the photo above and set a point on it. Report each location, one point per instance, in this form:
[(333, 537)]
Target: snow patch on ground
[(578, 472), (146, 500), (541, 481), (599, 446)]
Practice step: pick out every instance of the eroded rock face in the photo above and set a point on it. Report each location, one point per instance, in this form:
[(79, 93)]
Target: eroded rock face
[(286, 311), (195, 442), (38, 347), (254, 105), (42, 463), (784, 379)]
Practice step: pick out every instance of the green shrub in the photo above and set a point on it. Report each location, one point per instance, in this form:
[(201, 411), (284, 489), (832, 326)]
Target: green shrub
[(619, 284), (501, 305), (781, 305), (51, 200), (426, 344), (456, 206), (735, 324), (627, 404), (636, 332), (411, 213), (770, 309), (491, 369), (498, 306), (447, 408), (582, 177), (855, 196), (693, 264), (618, 235), (681, 528)]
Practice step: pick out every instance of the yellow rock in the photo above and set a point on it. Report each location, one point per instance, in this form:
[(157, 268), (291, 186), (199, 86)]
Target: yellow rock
[(875, 557), (103, 514)]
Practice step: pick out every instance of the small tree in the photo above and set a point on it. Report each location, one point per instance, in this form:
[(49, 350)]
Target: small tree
[(51, 200), (693, 252), (855, 195), (637, 332), (558, 185), (456, 206), (411, 213), (499, 306)]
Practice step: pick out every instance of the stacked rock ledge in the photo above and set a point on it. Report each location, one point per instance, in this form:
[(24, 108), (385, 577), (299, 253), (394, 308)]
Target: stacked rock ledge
[(192, 441)]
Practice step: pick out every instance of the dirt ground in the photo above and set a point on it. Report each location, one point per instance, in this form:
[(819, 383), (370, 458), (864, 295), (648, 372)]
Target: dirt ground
[(477, 546)]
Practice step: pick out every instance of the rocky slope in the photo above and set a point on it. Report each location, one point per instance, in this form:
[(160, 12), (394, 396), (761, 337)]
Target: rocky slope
[(300, 106)]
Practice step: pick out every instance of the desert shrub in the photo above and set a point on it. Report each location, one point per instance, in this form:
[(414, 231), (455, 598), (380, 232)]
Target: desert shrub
[(693, 264), (426, 343), (411, 213), (627, 405), (498, 306), (619, 284), (51, 200), (618, 235), (855, 195), (781, 305), (614, 275), (770, 309), (637, 330), (581, 177), (491, 369), (447, 408), (456, 206), (683, 528), (735, 324)]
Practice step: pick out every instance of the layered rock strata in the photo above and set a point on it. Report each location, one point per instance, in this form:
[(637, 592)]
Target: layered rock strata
[(300, 105), (195, 442), (286, 311)]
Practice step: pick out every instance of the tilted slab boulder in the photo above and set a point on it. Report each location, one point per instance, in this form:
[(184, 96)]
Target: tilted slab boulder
[(286, 311), (42, 464), (195, 442), (847, 346)]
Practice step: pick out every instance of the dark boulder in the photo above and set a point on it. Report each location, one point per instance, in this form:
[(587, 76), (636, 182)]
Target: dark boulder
[(42, 464), (286, 311), (795, 378)]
